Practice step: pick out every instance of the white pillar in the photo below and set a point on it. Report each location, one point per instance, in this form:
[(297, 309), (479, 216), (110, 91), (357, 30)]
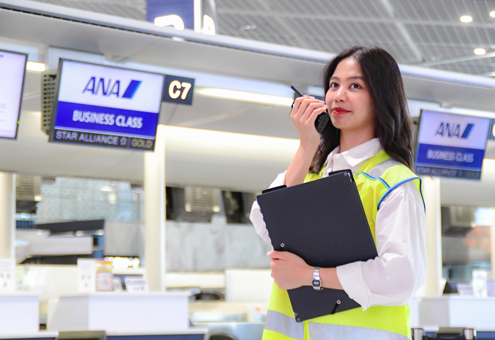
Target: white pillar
[(431, 194), (492, 239), (154, 213), (7, 215)]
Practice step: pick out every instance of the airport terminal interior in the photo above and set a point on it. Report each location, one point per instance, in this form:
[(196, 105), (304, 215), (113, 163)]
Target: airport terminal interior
[(135, 136)]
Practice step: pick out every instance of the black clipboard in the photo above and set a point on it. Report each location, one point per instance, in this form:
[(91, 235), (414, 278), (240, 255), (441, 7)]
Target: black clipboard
[(324, 223)]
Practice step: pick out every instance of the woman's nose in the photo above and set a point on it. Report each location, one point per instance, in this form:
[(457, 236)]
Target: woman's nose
[(340, 95)]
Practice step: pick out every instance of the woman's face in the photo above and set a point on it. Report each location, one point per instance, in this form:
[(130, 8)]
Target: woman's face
[(349, 102)]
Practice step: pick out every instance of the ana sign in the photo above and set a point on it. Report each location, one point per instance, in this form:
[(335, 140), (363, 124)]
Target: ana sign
[(451, 145), (107, 106)]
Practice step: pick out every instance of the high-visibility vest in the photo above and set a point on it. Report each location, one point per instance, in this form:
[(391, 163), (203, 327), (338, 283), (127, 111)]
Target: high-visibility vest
[(377, 178)]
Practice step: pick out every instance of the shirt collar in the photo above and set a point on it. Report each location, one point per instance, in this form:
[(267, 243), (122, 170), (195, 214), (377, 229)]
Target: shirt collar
[(362, 152), (357, 154)]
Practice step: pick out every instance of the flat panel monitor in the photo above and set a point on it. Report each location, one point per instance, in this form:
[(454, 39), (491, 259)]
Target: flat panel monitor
[(451, 145), (12, 71), (106, 106)]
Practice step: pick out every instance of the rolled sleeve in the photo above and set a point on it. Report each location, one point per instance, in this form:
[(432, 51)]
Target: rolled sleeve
[(393, 277), (256, 215), (352, 280)]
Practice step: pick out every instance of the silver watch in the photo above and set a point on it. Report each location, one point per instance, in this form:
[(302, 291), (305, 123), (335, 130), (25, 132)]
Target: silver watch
[(316, 282)]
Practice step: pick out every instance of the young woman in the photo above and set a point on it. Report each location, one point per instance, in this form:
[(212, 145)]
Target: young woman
[(369, 133)]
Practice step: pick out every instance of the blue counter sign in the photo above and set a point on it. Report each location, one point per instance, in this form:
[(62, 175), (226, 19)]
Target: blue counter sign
[(107, 106), (451, 145)]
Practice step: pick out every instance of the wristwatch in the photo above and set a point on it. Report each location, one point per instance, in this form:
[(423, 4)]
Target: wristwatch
[(316, 282)]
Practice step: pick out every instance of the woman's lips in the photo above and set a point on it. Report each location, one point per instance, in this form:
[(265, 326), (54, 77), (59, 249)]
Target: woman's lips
[(339, 111)]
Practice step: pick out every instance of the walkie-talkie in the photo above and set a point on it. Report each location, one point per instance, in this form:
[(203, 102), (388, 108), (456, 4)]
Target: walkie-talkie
[(322, 119)]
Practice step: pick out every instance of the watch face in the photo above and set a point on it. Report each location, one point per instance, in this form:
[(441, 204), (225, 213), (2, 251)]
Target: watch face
[(316, 283)]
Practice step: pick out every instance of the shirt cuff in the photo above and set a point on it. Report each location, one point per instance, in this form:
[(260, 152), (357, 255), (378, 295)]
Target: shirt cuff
[(256, 216), (351, 278), (258, 222), (279, 181)]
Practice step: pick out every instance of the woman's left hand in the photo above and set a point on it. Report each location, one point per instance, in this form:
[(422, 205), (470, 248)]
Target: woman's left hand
[(289, 270)]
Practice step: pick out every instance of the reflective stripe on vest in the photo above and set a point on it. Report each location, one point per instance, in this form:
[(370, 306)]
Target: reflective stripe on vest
[(318, 331), (376, 179), (285, 325), (281, 327)]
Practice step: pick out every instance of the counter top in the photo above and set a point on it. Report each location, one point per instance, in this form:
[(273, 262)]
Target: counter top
[(29, 335), (127, 294), (191, 330), (459, 297), (20, 293)]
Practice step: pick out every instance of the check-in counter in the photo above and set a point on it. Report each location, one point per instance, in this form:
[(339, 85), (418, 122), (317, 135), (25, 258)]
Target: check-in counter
[(29, 336), (19, 317), (458, 311), (124, 315), (241, 320), (19, 313)]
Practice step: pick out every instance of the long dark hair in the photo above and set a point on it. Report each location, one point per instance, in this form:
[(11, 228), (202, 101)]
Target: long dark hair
[(393, 125)]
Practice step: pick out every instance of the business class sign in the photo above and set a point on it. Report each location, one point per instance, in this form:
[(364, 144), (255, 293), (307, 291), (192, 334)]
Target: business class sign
[(107, 106), (451, 145)]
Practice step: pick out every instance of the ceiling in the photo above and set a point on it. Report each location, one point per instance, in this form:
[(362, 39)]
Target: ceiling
[(420, 32), (218, 158)]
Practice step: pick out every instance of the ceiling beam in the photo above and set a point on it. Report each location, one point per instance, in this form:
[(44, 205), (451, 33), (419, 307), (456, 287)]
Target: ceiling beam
[(489, 74), (352, 19), (403, 31), (457, 60)]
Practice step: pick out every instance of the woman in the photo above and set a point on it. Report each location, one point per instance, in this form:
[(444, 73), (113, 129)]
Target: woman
[(369, 133)]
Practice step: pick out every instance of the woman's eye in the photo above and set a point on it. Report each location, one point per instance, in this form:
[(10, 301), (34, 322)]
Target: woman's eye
[(355, 86), (333, 85)]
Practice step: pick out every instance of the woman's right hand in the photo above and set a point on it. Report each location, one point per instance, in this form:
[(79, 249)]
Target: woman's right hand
[(303, 115), (305, 110)]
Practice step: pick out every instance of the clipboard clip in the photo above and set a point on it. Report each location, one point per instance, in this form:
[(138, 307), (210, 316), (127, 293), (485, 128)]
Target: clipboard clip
[(337, 303), (347, 174)]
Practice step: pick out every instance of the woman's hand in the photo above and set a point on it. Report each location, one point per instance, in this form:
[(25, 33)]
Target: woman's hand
[(303, 115), (289, 270), (304, 112)]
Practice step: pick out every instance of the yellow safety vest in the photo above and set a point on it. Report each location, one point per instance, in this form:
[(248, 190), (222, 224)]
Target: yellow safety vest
[(378, 177)]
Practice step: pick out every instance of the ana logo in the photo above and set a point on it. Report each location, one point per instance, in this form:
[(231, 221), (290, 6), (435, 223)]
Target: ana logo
[(108, 88), (454, 130)]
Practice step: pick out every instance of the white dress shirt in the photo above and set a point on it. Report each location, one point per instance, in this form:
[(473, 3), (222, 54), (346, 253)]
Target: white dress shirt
[(393, 277)]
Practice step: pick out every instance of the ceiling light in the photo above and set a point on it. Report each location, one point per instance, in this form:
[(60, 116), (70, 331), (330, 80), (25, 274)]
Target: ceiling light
[(479, 51), (466, 18), (246, 96), (37, 67), (248, 27), (492, 14)]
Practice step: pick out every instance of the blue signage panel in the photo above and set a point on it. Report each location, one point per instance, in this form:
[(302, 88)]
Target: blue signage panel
[(107, 106), (451, 145), (491, 132), (181, 8)]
